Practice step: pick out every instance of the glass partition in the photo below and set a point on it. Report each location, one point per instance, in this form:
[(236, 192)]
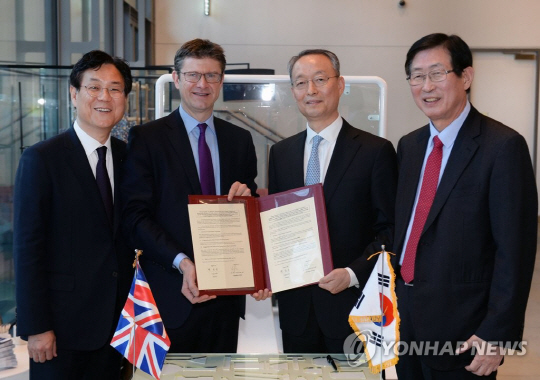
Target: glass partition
[(35, 105), (264, 105)]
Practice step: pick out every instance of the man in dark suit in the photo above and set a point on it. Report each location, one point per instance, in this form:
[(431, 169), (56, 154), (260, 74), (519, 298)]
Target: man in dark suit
[(466, 223), (72, 270), (358, 172), (164, 165)]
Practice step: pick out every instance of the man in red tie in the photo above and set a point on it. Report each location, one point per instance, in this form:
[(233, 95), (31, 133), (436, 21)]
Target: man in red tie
[(466, 224)]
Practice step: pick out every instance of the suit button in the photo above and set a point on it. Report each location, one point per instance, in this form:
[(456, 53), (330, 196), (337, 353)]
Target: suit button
[(114, 274)]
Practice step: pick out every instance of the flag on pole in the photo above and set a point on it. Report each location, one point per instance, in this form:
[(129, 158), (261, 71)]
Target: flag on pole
[(375, 317), (140, 335)]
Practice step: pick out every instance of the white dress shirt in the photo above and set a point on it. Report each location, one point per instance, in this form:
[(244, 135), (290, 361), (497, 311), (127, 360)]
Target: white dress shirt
[(90, 145), (447, 137), (326, 149)]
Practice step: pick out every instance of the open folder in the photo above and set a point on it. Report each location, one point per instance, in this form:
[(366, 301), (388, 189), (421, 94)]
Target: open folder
[(279, 241)]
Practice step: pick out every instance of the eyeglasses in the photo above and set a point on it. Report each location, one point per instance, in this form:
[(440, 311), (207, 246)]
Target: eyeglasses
[(194, 77), (95, 90), (301, 84), (438, 75)]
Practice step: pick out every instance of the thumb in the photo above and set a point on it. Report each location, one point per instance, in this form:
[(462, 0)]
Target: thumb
[(324, 280), (464, 346)]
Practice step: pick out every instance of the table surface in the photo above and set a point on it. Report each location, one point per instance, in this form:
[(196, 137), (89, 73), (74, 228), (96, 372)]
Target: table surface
[(260, 367)]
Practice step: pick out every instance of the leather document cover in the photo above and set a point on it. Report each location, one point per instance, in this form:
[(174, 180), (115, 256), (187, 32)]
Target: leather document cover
[(260, 262)]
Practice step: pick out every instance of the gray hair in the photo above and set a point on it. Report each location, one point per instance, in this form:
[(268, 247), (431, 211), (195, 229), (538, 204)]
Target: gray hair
[(328, 54)]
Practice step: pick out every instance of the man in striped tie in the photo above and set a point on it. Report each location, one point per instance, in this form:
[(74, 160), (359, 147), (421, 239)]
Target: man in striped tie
[(358, 173), (466, 220)]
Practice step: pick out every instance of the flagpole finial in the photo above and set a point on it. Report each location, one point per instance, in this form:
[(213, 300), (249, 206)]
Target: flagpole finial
[(138, 252)]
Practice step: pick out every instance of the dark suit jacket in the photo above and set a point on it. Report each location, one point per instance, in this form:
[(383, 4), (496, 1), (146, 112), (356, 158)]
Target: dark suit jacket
[(359, 190), (160, 174), (72, 271), (476, 255)]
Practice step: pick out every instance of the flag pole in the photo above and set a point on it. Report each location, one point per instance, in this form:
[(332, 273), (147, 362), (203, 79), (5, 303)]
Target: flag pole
[(381, 292), (138, 253)]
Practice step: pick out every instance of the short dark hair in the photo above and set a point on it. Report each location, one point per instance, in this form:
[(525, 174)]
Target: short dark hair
[(460, 54), (199, 48), (93, 60), (328, 54)]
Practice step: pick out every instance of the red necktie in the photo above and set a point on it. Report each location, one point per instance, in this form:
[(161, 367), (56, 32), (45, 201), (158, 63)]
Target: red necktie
[(427, 194)]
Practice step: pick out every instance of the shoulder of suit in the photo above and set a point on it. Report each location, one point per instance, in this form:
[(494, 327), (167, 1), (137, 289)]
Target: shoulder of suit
[(415, 134), (228, 127), (363, 136), (155, 126), (291, 140), (52, 143), (116, 143), (496, 128)]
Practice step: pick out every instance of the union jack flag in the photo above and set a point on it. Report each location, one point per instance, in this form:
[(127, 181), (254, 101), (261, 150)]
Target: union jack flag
[(140, 335)]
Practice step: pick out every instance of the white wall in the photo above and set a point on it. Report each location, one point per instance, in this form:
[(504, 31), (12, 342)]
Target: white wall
[(371, 37)]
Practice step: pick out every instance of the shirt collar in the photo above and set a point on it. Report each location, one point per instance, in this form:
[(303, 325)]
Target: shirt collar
[(89, 143), (191, 123), (329, 133), (449, 134)]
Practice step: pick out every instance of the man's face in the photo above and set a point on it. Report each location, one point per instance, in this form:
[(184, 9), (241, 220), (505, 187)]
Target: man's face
[(99, 114), (441, 101), (319, 105), (198, 98)]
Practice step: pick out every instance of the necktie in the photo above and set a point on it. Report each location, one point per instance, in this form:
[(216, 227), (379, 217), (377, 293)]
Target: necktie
[(103, 181), (206, 175), (313, 174), (425, 200)]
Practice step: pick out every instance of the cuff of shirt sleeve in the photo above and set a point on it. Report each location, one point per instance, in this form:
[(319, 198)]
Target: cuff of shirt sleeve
[(354, 280), (177, 260)]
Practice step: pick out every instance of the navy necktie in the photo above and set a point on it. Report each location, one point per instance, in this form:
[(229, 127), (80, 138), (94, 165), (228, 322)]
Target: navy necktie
[(103, 181), (206, 169)]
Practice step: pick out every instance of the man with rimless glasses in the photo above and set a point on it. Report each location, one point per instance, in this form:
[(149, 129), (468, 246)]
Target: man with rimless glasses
[(72, 268), (187, 152), (358, 172), (466, 224)]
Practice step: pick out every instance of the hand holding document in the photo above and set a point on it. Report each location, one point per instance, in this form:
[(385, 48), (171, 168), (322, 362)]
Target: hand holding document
[(278, 242)]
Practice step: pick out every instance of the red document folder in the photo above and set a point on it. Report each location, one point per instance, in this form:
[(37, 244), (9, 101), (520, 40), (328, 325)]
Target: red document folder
[(253, 208)]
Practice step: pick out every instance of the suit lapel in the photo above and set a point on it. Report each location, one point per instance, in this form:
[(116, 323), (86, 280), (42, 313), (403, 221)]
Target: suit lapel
[(296, 160), (347, 145), (178, 137), (463, 151), (227, 156), (410, 170), (118, 153), (78, 162)]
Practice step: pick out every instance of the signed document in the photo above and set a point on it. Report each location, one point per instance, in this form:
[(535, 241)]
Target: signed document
[(292, 244), (279, 241), (221, 246)]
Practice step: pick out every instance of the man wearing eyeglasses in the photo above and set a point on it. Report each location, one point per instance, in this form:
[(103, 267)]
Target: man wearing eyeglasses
[(187, 152), (358, 172), (466, 224), (72, 268)]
